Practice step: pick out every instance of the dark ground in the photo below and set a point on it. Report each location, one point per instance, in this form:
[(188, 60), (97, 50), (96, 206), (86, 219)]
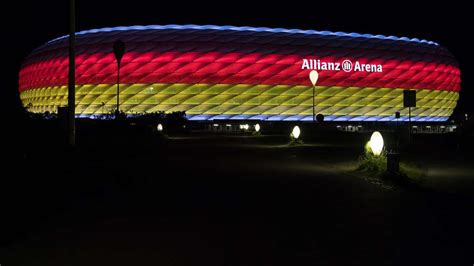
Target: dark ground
[(229, 200)]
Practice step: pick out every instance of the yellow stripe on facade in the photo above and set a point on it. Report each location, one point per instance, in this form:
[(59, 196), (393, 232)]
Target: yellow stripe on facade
[(240, 99)]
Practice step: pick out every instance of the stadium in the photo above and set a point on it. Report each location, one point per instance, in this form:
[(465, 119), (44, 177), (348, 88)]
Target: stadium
[(244, 73)]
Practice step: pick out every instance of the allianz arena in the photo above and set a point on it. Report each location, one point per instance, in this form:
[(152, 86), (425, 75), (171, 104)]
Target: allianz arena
[(226, 72)]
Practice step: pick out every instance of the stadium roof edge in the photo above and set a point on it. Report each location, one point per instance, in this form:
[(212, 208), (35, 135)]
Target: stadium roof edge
[(246, 28)]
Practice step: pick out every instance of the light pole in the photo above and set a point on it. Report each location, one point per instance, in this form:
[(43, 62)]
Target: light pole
[(313, 76), (397, 116), (71, 87), (119, 50)]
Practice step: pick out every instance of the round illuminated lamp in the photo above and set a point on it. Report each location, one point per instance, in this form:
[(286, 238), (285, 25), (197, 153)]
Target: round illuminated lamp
[(296, 132), (257, 127), (376, 143), (159, 127)]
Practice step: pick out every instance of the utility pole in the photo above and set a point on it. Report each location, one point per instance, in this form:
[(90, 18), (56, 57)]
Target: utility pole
[(71, 97)]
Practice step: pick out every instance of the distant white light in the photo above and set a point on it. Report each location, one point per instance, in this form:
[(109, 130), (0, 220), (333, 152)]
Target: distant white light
[(376, 143), (228, 125), (159, 127), (295, 133), (216, 125), (244, 126), (313, 76), (257, 127)]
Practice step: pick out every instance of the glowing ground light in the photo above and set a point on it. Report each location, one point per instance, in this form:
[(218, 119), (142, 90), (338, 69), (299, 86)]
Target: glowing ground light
[(313, 76), (159, 127), (295, 133), (244, 126), (257, 127), (376, 143)]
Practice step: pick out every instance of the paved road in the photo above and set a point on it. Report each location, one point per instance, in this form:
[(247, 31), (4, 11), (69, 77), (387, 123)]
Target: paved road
[(451, 177), (228, 201)]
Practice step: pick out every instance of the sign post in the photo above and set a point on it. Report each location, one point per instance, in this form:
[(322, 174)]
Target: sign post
[(393, 158), (409, 100)]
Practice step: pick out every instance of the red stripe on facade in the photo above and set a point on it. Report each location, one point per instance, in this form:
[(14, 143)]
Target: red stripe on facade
[(235, 68)]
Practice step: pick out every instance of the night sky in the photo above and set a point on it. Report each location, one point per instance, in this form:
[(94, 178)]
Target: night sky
[(40, 21)]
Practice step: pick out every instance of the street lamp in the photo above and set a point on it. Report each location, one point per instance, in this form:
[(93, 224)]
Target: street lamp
[(119, 50), (313, 76)]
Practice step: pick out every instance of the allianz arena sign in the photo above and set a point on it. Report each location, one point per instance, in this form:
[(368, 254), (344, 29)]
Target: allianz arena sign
[(345, 65)]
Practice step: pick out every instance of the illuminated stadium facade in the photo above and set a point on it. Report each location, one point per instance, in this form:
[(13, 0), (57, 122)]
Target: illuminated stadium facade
[(214, 72)]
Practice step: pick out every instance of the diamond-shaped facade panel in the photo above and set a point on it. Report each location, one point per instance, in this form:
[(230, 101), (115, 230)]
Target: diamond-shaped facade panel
[(244, 73)]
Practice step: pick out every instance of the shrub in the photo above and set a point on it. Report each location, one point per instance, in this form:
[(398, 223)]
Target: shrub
[(372, 163), (294, 141)]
